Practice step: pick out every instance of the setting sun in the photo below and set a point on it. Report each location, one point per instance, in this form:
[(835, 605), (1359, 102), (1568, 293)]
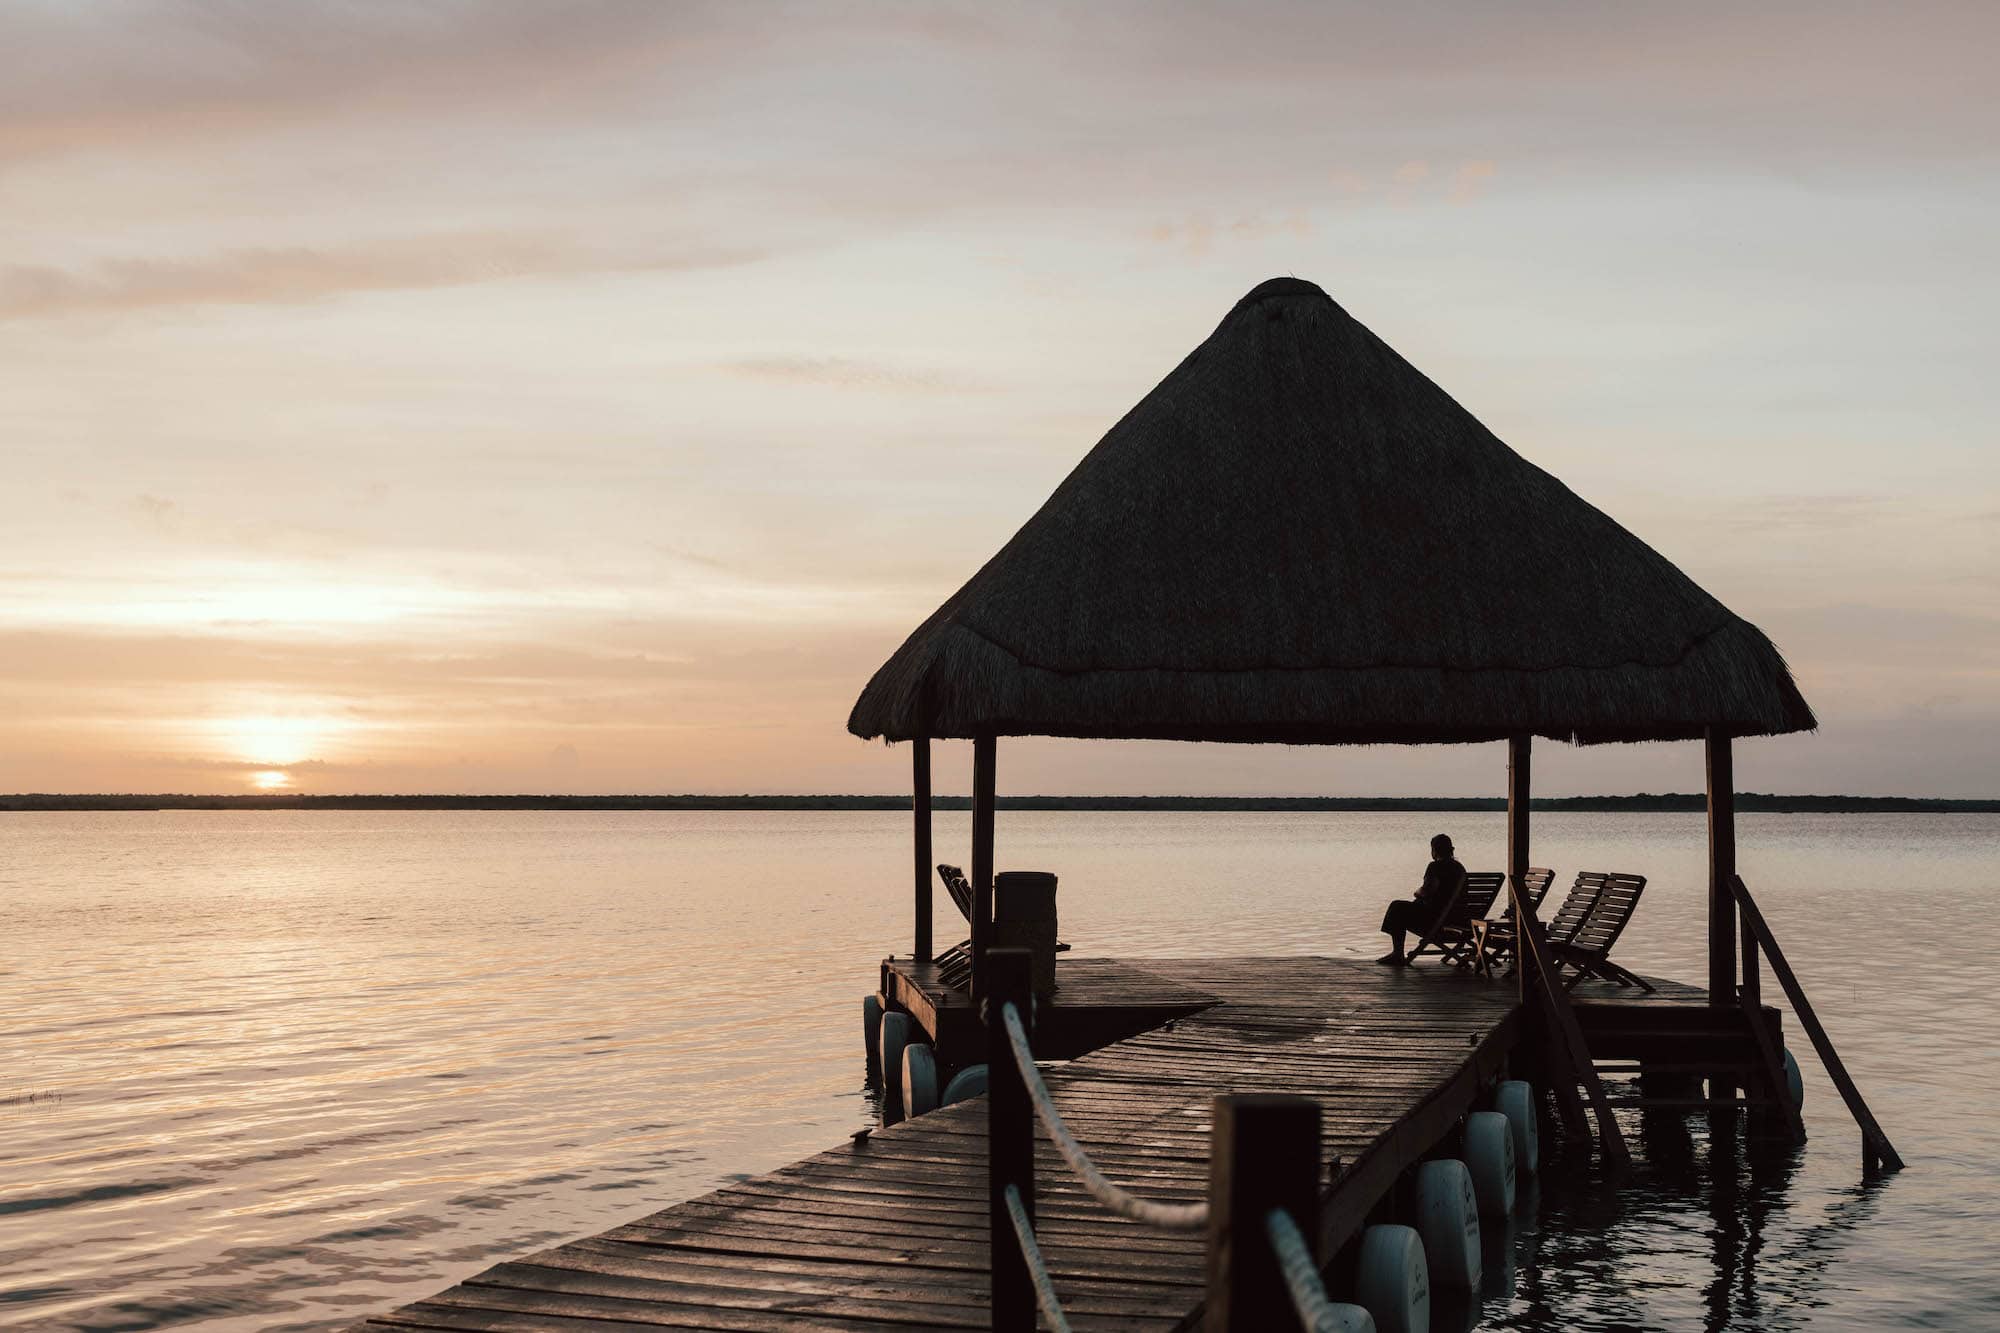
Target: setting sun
[(271, 779)]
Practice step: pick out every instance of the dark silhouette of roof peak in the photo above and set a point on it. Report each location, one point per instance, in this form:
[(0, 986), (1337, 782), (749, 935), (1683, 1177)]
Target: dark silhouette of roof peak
[(1297, 536)]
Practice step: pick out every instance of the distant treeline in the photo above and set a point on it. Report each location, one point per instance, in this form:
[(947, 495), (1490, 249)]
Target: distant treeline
[(1643, 802)]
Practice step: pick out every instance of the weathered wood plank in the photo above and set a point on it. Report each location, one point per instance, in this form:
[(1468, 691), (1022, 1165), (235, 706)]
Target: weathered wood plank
[(892, 1233)]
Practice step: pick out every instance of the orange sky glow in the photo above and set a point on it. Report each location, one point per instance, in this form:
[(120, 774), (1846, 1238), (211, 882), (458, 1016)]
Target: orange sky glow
[(587, 398)]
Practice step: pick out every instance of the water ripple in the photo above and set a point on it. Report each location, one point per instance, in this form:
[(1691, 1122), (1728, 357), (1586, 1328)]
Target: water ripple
[(279, 1071)]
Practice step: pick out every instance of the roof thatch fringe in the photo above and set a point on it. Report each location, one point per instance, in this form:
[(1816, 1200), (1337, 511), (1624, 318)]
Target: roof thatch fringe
[(1297, 537)]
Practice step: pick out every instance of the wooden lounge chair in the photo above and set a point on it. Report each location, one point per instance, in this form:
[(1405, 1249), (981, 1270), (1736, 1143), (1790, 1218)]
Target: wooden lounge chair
[(1536, 885), (955, 964), (1497, 939), (1587, 947), (1493, 937), (1452, 933)]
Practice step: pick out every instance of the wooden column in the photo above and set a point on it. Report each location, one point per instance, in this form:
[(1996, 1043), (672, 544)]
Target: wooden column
[(1721, 869), (1010, 1139), (1517, 804), (1518, 774), (1264, 1154), (983, 752), (920, 804)]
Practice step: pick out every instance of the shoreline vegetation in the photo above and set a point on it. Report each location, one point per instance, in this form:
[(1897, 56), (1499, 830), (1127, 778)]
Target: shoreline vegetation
[(1642, 802)]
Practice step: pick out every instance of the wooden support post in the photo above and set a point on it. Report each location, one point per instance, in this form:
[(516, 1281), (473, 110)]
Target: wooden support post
[(1769, 1053), (983, 753), (1752, 990), (1010, 1136), (920, 805), (1518, 786), (1571, 1063), (1264, 1154), (1721, 869), (1875, 1147)]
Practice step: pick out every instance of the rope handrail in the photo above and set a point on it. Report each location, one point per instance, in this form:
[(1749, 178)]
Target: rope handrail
[(1172, 1216), (1302, 1279), (1038, 1269)]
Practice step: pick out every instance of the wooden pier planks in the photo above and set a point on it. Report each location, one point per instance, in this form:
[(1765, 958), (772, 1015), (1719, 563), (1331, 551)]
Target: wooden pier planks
[(892, 1233), (1098, 1001)]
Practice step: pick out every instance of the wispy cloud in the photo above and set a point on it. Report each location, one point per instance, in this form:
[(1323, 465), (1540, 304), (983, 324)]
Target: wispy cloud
[(1200, 235), (147, 71), (295, 274), (1469, 182), (1816, 512), (845, 373)]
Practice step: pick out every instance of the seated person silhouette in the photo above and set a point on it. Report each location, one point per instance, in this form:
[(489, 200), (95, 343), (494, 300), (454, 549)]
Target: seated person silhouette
[(1443, 878)]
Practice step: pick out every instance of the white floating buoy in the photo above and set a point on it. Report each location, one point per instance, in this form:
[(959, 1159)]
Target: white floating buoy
[(1515, 1099), (1391, 1280), (1489, 1152), (895, 1035), (1345, 1319), (1795, 1082), (871, 1036), (1448, 1221), (966, 1083), (920, 1090)]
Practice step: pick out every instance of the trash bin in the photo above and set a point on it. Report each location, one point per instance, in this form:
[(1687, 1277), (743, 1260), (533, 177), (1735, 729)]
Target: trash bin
[(1024, 917)]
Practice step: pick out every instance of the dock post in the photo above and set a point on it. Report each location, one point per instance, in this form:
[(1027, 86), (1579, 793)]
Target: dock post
[(1010, 1137), (1721, 899), (1721, 869), (983, 753), (920, 806), (1264, 1154), (1518, 774)]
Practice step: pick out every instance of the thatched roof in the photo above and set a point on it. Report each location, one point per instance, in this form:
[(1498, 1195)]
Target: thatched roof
[(1298, 537)]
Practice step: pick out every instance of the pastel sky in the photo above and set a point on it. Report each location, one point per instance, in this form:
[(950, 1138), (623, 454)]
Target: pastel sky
[(587, 397)]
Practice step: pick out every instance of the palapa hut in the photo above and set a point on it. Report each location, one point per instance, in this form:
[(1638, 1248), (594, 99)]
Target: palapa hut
[(1297, 537)]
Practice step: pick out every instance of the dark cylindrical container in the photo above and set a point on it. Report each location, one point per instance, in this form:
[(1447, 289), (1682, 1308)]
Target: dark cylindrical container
[(1024, 917)]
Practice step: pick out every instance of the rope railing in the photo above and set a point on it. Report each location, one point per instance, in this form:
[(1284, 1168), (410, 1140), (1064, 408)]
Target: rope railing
[(1302, 1280), (1038, 1268), (1169, 1216), (1264, 1185)]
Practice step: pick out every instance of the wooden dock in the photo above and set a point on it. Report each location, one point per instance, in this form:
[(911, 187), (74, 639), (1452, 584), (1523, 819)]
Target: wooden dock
[(891, 1233)]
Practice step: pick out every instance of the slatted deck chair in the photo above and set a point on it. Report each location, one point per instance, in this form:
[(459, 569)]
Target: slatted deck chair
[(1452, 934), (1569, 918), (1587, 948), (955, 964), (1497, 934), (1536, 885)]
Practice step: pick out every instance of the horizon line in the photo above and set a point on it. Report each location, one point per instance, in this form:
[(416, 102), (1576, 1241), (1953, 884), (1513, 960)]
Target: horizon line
[(1761, 802)]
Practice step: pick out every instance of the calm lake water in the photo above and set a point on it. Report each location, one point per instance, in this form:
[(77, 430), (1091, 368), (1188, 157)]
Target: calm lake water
[(280, 1070)]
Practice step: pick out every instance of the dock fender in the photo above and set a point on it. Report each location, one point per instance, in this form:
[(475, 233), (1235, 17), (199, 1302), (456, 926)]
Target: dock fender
[(1392, 1281), (920, 1089), (1515, 1099), (967, 1083), (1448, 1222), (895, 1036), (1489, 1152), (871, 1036), (1795, 1082)]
